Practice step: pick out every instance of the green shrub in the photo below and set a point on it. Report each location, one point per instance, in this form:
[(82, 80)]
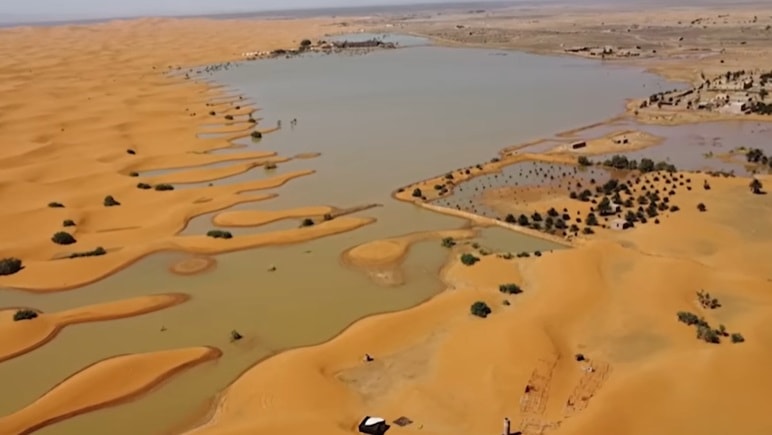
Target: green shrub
[(9, 266), (163, 187), (144, 186), (133, 174), (219, 234), (109, 201), (688, 318), (708, 335), (256, 135), (480, 309), (584, 161), (417, 193), (512, 289), (24, 315), (737, 338), (95, 253), (510, 219), (68, 223), (469, 259), (448, 242), (63, 238), (229, 117), (56, 205), (307, 222)]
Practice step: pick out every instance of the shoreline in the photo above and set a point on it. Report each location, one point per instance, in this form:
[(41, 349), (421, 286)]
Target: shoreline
[(222, 398), (221, 395)]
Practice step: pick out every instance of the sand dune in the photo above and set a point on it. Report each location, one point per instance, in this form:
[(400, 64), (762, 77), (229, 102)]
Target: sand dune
[(26, 335), (614, 299), (77, 394), (92, 108)]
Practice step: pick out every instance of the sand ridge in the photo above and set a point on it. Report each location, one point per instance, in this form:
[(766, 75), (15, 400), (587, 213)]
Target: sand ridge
[(63, 169), (19, 337), (76, 394)]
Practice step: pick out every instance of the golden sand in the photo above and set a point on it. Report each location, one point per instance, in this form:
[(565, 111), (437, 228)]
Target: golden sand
[(613, 299), (78, 394), (18, 337), (84, 108), (381, 260)]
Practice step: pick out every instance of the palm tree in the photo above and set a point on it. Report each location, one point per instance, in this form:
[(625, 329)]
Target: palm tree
[(756, 186)]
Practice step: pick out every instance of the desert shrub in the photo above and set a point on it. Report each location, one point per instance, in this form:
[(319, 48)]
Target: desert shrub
[(448, 242), (163, 187), (737, 338), (270, 166), (552, 212), (109, 201), (305, 43), (537, 253), (417, 193), (327, 217), (510, 219), (256, 135), (584, 161), (587, 231), (219, 234), (688, 318), (307, 222), (674, 208), (68, 223), (56, 205), (573, 195), (701, 207), (131, 151), (522, 220), (95, 253), (469, 259), (512, 289), (592, 220), (536, 217), (144, 186), (9, 266), (24, 315), (480, 309), (229, 117), (708, 335), (63, 238), (133, 174)]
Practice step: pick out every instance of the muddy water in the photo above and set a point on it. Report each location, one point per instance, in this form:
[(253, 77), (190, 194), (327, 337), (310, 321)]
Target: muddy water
[(380, 121)]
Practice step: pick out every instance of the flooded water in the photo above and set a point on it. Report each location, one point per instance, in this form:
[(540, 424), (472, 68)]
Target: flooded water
[(380, 120)]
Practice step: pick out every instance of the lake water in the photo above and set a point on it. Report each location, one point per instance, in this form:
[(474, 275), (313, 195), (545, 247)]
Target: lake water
[(380, 120)]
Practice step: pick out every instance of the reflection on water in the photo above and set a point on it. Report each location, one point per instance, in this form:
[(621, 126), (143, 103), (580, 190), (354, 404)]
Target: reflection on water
[(380, 121)]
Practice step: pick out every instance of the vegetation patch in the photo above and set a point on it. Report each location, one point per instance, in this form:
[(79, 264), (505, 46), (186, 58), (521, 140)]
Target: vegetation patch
[(63, 238), (109, 201), (480, 309), (25, 314), (68, 223), (219, 234), (93, 253), (469, 259), (163, 187), (448, 242), (9, 266), (56, 205), (144, 186), (512, 289)]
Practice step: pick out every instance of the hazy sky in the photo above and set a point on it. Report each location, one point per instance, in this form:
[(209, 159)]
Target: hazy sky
[(69, 9)]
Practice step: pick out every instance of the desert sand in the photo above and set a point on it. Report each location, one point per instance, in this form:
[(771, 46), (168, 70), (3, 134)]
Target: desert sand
[(87, 109), (112, 112), (23, 336), (612, 299), (77, 394)]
